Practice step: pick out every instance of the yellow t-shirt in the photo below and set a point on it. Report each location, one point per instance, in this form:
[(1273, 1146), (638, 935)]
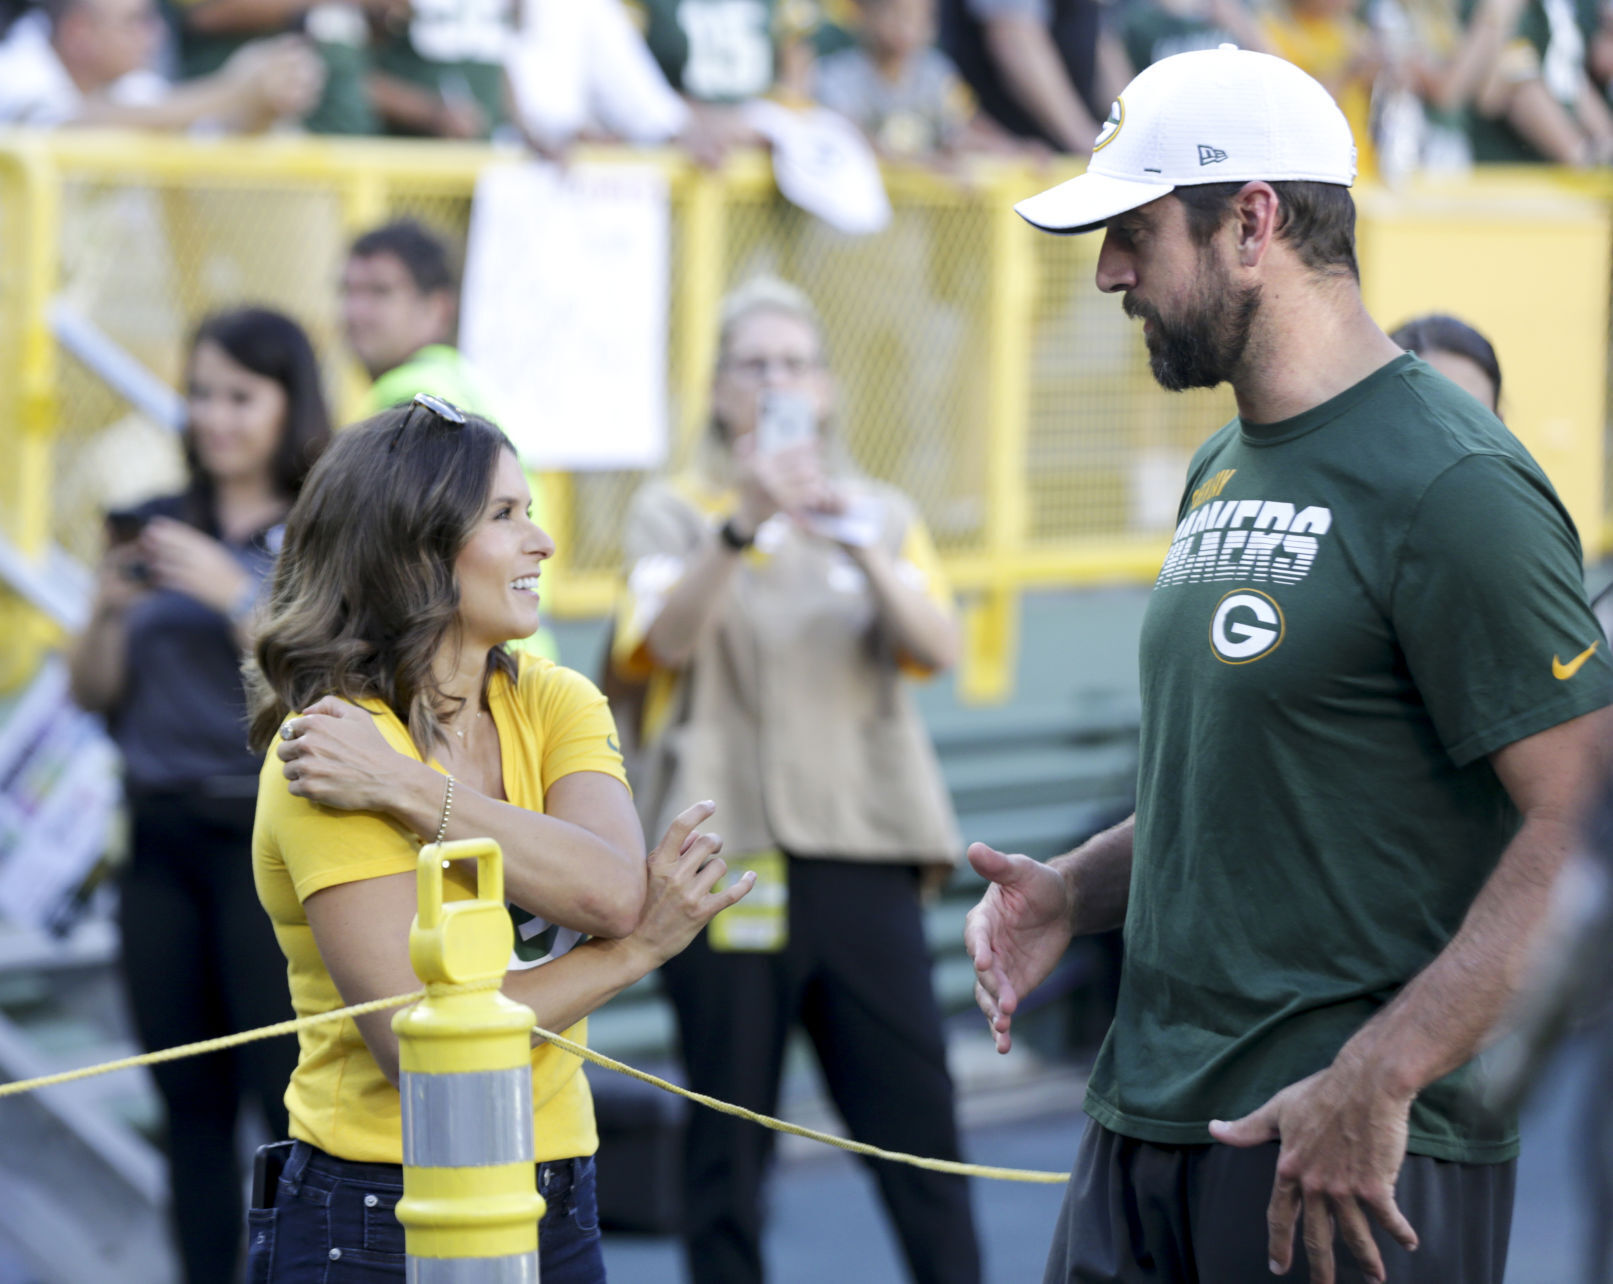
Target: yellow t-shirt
[(551, 722)]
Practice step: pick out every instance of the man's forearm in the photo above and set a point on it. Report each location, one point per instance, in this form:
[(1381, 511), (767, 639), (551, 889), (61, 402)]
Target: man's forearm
[(208, 98), (1441, 1019), (405, 105), (1098, 873), (1029, 65), (1545, 125), (243, 17)]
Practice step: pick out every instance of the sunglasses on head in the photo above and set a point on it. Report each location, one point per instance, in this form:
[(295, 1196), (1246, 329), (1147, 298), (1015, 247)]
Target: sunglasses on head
[(444, 410), (436, 406)]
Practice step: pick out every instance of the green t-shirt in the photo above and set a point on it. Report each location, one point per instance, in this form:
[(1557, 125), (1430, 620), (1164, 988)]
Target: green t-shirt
[(343, 107), (1359, 606), (439, 369), (718, 51), (1151, 33), (454, 47)]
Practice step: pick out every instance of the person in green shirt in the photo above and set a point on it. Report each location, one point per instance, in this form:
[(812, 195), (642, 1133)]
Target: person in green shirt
[(399, 303), (437, 66), (207, 32), (1374, 704), (1540, 103)]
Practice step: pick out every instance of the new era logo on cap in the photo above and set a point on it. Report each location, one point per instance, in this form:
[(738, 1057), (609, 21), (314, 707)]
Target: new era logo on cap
[(1209, 155)]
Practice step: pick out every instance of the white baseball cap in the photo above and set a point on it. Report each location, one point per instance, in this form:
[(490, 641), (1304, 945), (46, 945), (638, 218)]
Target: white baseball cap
[(1210, 116)]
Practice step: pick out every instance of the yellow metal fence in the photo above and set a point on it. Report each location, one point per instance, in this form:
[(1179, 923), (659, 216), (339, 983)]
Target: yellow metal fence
[(979, 369)]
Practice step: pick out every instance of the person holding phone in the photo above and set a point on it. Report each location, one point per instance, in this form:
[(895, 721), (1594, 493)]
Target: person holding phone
[(161, 660), (775, 601)]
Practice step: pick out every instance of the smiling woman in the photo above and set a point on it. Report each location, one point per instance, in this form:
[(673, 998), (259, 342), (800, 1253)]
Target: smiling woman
[(397, 716)]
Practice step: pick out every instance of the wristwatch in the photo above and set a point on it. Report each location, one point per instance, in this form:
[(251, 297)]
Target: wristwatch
[(730, 536)]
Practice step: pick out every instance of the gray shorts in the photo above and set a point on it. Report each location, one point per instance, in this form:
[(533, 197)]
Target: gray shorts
[(1136, 1212)]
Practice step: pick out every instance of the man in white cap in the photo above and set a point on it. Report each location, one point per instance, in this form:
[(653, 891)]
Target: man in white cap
[(1374, 699)]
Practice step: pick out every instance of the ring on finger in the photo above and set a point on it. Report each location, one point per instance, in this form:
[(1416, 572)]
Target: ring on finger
[(288, 729)]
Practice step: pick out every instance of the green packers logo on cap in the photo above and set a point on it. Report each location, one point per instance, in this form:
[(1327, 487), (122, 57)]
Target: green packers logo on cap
[(1111, 127)]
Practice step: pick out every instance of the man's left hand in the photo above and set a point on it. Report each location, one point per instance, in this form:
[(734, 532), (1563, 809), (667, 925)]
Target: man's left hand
[(1343, 1141)]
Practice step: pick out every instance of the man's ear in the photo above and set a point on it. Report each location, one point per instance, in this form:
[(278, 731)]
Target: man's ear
[(1256, 214)]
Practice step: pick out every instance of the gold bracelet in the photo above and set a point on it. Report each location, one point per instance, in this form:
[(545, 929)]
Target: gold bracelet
[(447, 810)]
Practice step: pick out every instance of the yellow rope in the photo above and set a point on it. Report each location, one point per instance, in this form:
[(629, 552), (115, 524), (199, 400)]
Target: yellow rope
[(208, 1045), (559, 1041), (796, 1130)]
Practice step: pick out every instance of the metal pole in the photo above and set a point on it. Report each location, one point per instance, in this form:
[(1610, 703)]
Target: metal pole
[(470, 1205)]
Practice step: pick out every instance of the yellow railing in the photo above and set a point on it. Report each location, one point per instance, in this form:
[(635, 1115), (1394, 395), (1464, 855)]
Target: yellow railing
[(979, 368)]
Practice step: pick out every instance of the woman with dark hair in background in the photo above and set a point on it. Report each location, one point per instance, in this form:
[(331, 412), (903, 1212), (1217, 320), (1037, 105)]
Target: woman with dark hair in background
[(399, 716), (160, 658), (1457, 351)]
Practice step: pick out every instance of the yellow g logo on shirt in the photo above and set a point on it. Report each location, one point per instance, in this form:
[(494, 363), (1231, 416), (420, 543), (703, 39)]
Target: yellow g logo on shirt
[(1111, 127), (1247, 626)]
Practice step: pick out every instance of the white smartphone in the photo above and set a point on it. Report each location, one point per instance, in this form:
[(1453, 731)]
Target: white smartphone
[(783, 420)]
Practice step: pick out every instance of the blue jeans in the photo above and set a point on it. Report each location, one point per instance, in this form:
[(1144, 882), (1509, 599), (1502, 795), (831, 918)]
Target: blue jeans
[(332, 1223)]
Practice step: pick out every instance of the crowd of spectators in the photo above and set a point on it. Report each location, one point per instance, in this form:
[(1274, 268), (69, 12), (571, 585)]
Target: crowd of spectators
[(1426, 84)]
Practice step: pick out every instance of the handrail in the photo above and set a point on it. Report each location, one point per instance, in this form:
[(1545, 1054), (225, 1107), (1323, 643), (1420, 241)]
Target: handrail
[(60, 589)]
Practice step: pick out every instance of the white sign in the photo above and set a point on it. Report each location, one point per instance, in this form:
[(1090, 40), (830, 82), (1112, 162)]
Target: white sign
[(564, 315)]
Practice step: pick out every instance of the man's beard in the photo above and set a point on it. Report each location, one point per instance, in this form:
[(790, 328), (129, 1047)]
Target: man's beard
[(1202, 347)]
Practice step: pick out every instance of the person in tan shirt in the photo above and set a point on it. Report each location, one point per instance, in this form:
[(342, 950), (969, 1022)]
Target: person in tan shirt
[(775, 600)]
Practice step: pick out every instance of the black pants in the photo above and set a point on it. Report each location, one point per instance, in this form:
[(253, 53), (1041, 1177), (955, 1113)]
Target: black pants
[(856, 974), (1137, 1212), (1596, 1142), (200, 960)]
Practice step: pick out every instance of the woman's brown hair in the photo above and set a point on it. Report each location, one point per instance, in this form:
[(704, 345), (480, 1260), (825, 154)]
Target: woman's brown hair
[(364, 595)]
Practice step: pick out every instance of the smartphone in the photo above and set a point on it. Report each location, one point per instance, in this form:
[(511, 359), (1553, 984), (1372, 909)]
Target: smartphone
[(123, 525), (859, 524), (783, 420)]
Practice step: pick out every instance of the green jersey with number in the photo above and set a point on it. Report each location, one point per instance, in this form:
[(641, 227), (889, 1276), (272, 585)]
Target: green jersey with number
[(1359, 606), (455, 48), (718, 51)]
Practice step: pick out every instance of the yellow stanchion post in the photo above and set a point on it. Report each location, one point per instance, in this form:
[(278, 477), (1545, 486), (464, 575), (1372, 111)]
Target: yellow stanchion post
[(470, 1205)]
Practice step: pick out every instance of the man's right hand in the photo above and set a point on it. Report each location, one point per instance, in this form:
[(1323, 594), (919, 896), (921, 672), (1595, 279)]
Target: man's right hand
[(275, 78), (1017, 933)]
